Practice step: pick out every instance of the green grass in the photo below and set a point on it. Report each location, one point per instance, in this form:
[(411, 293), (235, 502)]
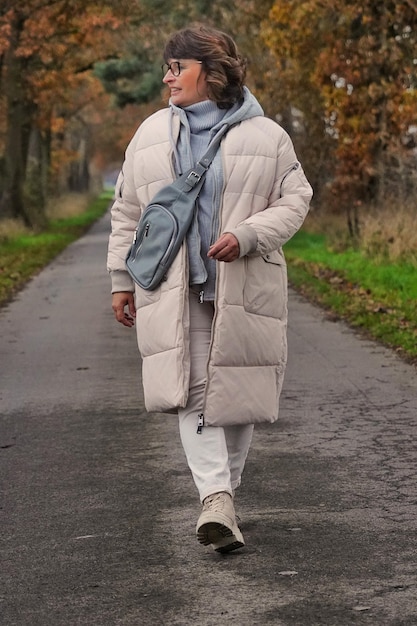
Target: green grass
[(23, 256), (378, 298)]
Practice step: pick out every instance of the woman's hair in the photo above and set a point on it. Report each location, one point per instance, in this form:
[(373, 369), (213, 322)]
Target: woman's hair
[(225, 68)]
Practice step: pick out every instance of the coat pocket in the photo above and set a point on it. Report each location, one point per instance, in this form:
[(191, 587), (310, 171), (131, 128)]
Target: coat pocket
[(265, 288)]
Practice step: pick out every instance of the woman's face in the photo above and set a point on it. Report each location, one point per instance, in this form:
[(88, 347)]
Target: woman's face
[(189, 86)]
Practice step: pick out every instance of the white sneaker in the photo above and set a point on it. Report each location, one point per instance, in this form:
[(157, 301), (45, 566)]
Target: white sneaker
[(217, 523)]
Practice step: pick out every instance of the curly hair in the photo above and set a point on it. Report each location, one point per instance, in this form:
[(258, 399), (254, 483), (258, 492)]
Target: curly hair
[(225, 68)]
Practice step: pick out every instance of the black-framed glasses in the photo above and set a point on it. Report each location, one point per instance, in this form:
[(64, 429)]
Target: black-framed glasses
[(176, 67)]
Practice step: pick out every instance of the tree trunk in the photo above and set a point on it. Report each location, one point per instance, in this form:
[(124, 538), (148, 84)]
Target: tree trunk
[(79, 176), (34, 187), (11, 201), (20, 112)]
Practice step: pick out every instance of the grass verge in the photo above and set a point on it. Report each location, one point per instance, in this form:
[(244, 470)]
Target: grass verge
[(23, 255), (379, 299), (376, 297)]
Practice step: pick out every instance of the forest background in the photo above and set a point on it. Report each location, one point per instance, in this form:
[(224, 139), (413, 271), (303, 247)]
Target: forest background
[(78, 76)]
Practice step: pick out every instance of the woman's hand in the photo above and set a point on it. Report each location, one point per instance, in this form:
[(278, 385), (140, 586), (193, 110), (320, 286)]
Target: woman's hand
[(120, 300), (226, 248)]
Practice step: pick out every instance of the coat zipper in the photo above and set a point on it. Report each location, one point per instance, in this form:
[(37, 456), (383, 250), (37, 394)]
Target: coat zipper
[(295, 167), (200, 423)]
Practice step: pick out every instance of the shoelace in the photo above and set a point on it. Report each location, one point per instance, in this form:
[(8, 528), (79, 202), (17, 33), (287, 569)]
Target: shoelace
[(215, 502)]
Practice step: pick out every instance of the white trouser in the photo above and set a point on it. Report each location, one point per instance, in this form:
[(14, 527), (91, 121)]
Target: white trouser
[(217, 456)]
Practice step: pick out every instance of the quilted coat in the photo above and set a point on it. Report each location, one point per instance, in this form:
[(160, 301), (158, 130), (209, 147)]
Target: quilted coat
[(265, 199)]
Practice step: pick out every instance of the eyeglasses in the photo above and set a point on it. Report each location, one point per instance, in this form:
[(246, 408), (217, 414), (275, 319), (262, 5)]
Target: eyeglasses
[(176, 67)]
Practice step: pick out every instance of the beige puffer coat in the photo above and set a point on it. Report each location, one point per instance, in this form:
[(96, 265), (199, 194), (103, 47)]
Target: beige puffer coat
[(266, 197)]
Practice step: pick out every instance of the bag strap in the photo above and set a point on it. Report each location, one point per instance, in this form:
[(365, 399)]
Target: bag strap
[(197, 173)]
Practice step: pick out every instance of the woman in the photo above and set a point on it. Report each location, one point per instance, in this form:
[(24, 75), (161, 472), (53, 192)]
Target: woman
[(212, 336)]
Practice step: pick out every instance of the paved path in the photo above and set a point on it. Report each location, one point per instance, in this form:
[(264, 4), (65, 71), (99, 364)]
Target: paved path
[(98, 509)]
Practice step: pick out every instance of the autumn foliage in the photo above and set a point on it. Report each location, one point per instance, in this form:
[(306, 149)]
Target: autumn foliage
[(353, 65), (76, 76), (47, 51)]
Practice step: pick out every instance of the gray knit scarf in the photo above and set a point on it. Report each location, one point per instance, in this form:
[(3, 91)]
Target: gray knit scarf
[(199, 124)]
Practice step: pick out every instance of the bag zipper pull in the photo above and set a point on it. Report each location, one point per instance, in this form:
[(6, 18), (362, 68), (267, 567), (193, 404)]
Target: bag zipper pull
[(200, 423), (146, 229), (201, 297)]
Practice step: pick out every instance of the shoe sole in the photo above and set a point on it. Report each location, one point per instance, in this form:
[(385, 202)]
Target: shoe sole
[(222, 538)]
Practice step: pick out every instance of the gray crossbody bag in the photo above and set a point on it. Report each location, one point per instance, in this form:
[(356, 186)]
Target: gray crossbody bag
[(165, 222)]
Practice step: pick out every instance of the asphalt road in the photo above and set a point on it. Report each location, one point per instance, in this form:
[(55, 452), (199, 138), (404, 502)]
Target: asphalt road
[(98, 509)]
